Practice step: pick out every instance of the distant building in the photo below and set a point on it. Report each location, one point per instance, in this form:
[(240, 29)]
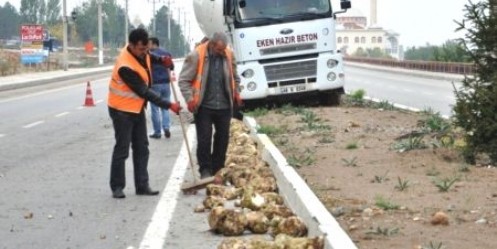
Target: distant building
[(354, 34)]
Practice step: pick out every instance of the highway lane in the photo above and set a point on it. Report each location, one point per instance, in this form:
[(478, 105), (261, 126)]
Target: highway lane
[(418, 92)]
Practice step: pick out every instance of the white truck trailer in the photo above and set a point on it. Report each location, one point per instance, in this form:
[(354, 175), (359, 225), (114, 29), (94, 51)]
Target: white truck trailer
[(284, 48)]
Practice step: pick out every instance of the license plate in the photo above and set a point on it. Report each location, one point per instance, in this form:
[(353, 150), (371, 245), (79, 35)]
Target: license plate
[(292, 89)]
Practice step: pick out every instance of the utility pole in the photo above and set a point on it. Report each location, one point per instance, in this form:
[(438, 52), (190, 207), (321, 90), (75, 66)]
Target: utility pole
[(100, 35), (183, 30), (189, 33), (179, 19), (153, 16), (64, 31), (126, 23), (169, 22)]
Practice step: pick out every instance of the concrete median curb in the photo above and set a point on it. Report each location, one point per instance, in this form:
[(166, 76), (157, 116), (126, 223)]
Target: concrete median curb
[(22, 81), (27, 80), (299, 196)]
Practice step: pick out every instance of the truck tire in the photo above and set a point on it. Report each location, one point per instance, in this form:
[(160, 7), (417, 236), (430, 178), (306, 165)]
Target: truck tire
[(331, 98)]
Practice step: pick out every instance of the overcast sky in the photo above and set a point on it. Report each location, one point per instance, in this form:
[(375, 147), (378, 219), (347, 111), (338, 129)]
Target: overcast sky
[(418, 22)]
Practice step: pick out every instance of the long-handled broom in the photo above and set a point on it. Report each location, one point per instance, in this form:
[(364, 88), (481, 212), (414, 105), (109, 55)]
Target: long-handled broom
[(190, 188)]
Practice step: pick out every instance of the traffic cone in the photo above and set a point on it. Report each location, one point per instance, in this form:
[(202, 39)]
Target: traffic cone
[(89, 96), (173, 76)]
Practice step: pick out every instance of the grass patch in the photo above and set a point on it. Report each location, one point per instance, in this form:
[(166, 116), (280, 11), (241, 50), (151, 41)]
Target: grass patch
[(326, 139), (380, 179), (384, 231), (270, 130), (402, 184), (257, 112), (357, 97), (410, 143), (350, 162), (385, 204), (352, 146), (289, 109), (446, 183), (434, 245), (385, 105), (302, 158)]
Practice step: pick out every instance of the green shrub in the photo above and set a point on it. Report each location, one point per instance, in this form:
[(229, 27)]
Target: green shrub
[(476, 100), (357, 97)]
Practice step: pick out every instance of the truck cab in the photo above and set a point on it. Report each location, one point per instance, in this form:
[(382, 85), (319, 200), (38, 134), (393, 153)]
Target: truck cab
[(284, 48)]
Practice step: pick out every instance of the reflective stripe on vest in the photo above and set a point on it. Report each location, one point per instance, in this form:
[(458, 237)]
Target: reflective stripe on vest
[(197, 82), (121, 97)]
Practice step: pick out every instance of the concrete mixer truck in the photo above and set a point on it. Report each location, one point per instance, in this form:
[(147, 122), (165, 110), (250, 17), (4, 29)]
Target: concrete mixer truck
[(285, 49)]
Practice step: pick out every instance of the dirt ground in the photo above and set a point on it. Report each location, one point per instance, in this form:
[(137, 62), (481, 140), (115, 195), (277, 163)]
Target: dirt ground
[(382, 187)]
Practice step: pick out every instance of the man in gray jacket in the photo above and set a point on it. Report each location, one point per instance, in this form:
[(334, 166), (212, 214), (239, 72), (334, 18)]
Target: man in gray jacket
[(209, 84)]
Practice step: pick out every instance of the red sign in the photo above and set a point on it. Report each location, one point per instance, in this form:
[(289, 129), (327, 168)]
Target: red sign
[(31, 33)]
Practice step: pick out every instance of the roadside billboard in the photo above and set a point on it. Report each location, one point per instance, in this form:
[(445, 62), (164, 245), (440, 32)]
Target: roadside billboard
[(32, 36)]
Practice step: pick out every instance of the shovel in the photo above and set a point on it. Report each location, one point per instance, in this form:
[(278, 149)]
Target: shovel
[(190, 188)]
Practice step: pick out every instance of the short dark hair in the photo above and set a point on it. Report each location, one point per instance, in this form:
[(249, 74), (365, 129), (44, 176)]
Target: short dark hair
[(154, 40), (137, 35)]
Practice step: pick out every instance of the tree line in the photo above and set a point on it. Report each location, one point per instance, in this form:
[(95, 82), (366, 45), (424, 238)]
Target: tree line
[(450, 51), (84, 27)]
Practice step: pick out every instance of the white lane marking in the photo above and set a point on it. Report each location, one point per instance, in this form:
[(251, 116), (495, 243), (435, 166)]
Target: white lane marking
[(38, 93), (49, 91), (33, 124), (99, 101), (2, 135), (61, 114), (156, 233), (80, 108)]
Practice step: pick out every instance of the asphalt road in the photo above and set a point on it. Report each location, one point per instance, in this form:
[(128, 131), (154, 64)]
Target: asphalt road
[(417, 92)]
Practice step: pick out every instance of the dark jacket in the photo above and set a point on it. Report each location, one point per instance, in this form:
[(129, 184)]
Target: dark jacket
[(160, 74)]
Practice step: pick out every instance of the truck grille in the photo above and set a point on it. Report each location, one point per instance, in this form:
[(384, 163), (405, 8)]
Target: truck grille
[(286, 49), (294, 70)]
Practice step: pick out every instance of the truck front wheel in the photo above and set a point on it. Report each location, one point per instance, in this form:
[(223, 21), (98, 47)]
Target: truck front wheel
[(331, 98)]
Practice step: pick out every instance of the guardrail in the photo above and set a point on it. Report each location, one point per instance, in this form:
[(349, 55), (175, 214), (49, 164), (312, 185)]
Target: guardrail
[(432, 66)]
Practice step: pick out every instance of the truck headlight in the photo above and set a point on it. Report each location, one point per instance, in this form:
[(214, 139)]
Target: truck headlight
[(251, 86), (249, 73), (331, 63), (332, 76)]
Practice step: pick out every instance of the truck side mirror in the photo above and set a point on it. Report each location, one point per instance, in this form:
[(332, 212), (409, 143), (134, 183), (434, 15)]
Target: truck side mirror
[(242, 4), (228, 7), (345, 4)]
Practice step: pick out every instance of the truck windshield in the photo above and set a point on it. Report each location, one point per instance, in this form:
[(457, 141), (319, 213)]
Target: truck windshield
[(249, 11)]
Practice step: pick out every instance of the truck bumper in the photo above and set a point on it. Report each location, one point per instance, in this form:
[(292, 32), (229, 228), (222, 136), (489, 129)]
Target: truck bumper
[(298, 76)]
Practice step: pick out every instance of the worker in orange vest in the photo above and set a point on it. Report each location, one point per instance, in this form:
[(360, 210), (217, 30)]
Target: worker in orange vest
[(129, 91), (209, 84)]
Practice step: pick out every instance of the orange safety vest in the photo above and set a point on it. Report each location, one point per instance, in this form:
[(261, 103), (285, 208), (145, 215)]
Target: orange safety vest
[(197, 82), (121, 97)]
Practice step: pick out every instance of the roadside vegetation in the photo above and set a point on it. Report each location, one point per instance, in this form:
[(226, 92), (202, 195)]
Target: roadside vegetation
[(476, 101)]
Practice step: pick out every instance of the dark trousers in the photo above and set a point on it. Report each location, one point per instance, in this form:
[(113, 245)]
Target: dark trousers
[(212, 155), (129, 128)]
